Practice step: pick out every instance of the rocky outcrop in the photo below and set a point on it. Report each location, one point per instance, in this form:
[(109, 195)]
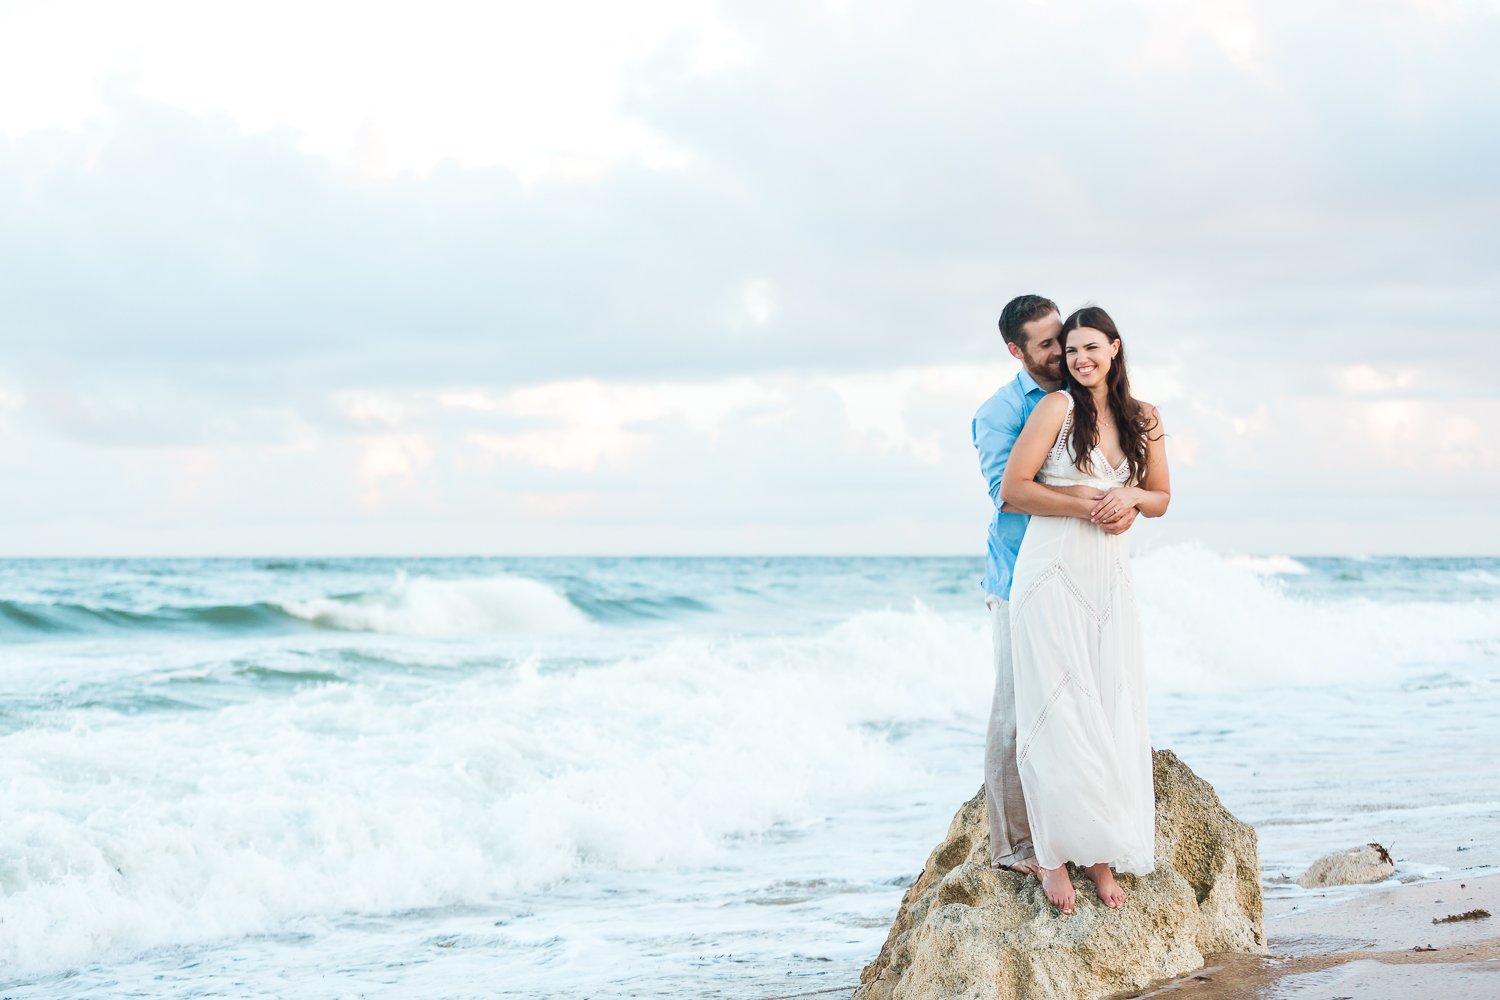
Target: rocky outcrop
[(966, 930), (1354, 866)]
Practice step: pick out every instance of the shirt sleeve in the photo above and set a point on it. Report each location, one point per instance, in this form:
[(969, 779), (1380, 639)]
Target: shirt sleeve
[(995, 429)]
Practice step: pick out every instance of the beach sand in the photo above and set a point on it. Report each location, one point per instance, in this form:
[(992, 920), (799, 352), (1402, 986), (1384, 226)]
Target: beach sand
[(1361, 943), (1351, 943)]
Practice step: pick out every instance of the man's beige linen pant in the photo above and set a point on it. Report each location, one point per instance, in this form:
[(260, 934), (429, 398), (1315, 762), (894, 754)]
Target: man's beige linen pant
[(1010, 832)]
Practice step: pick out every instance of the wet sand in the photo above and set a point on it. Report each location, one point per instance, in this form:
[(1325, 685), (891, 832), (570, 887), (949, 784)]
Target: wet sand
[(1352, 943), (1360, 943)]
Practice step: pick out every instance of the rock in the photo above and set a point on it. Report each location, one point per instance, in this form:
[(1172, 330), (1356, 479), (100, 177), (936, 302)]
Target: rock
[(966, 930), (1355, 866)]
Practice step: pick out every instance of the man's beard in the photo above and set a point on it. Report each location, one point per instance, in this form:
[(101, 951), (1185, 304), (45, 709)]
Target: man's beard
[(1052, 373)]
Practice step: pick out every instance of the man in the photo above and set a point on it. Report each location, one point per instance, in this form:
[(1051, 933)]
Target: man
[(1030, 325)]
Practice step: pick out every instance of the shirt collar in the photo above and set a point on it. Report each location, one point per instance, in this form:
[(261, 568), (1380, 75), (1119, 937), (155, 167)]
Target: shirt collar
[(1028, 384)]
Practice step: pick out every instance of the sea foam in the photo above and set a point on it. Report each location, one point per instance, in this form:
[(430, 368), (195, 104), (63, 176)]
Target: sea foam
[(1212, 622), (136, 831)]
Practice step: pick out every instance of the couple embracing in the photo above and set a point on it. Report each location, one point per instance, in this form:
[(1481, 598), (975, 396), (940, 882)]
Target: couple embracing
[(1072, 459)]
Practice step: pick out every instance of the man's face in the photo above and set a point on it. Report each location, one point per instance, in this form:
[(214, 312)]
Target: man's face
[(1043, 354)]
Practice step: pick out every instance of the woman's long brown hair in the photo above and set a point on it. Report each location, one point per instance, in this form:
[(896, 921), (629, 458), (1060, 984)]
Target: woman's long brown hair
[(1132, 423)]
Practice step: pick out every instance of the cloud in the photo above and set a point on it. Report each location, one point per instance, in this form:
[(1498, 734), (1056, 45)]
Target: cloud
[(885, 184), (529, 88), (592, 423), (1365, 379), (742, 291), (390, 457)]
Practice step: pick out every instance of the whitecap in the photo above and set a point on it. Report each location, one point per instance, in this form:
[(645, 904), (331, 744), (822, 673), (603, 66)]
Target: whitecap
[(428, 606), (1272, 565)]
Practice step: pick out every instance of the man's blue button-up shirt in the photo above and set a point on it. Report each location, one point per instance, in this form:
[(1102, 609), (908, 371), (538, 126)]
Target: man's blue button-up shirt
[(996, 426)]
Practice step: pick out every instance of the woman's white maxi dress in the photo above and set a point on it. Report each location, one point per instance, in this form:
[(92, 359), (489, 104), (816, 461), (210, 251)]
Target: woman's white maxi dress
[(1083, 749)]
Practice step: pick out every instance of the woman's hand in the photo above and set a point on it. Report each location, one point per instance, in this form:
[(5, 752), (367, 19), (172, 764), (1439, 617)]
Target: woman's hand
[(1114, 503)]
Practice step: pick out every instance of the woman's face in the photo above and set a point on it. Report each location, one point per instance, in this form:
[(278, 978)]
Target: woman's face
[(1089, 355)]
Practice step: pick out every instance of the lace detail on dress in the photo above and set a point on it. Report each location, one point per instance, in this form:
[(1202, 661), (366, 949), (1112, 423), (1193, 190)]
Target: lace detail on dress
[(1059, 468), (1060, 446), (1059, 572), (1025, 746)]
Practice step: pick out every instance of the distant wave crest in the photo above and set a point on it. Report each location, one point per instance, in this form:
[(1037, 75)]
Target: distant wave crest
[(410, 605), (1272, 565), (419, 605), (63, 617)]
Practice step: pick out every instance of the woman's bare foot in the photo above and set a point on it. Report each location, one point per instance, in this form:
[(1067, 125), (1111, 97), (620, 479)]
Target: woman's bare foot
[(1058, 887), (1104, 881)]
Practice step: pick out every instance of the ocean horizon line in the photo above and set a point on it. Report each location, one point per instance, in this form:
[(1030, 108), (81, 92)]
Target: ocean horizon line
[(435, 556)]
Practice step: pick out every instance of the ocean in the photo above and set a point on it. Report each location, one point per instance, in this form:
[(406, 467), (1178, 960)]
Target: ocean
[(643, 777)]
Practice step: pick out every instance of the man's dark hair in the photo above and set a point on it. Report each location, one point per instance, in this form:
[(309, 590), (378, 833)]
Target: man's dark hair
[(1018, 312)]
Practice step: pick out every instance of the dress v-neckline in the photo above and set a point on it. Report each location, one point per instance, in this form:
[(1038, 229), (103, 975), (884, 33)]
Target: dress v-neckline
[(1115, 469)]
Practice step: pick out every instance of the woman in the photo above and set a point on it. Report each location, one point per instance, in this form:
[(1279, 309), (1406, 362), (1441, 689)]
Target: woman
[(1083, 749)]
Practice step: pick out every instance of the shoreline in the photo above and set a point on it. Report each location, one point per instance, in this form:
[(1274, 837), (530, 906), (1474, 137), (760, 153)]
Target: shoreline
[(1361, 943), (1365, 943)]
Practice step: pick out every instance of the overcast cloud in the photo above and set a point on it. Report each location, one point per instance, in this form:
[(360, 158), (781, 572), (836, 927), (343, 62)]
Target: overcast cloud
[(725, 278)]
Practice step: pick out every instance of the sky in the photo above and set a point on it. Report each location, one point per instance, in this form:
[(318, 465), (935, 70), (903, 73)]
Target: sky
[(680, 277)]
